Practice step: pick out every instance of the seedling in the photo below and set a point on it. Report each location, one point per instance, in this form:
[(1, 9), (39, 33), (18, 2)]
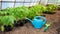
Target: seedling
[(5, 21), (47, 26)]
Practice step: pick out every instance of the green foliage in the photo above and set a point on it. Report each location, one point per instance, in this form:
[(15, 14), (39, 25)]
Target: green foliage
[(6, 20), (36, 10), (2, 28), (40, 8), (32, 13), (18, 12), (51, 7), (3, 13), (58, 7)]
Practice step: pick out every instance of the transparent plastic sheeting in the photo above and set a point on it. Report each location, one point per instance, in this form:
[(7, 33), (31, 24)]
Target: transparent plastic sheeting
[(10, 3), (54, 2), (5, 5), (0, 4), (25, 4), (8, 0)]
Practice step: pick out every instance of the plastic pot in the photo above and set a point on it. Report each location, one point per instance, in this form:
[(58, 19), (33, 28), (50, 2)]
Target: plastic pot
[(8, 28), (18, 23), (49, 12)]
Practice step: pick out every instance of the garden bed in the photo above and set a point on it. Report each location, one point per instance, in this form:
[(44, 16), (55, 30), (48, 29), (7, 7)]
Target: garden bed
[(28, 29)]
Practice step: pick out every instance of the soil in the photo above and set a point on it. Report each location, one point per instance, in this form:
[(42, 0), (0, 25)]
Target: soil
[(29, 29)]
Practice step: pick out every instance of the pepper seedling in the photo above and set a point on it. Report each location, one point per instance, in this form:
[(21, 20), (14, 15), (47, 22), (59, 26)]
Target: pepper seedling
[(47, 26)]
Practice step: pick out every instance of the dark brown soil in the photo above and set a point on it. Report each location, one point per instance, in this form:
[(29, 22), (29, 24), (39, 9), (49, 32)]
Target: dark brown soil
[(28, 28)]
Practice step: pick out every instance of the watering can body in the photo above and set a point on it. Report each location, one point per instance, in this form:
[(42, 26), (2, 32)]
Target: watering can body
[(38, 22)]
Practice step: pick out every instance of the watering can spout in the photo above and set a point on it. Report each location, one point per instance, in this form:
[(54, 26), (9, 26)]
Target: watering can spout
[(29, 20)]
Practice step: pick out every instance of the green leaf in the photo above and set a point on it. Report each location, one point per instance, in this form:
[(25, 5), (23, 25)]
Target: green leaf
[(2, 28), (7, 20)]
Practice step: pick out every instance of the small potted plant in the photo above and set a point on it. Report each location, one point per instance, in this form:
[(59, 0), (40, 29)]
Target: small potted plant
[(59, 7), (51, 8), (32, 13), (6, 23)]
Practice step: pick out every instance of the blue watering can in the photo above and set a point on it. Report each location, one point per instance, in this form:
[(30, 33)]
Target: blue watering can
[(38, 21)]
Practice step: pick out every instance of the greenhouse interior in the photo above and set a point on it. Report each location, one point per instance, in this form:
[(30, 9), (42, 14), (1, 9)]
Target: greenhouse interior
[(29, 17)]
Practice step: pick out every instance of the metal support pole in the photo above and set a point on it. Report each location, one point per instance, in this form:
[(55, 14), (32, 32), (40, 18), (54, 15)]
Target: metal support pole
[(0, 5), (14, 3)]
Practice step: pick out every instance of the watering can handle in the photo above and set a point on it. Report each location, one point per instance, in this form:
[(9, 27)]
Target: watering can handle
[(44, 19)]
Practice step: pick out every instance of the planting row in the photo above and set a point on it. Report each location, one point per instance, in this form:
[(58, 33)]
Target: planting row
[(11, 17)]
